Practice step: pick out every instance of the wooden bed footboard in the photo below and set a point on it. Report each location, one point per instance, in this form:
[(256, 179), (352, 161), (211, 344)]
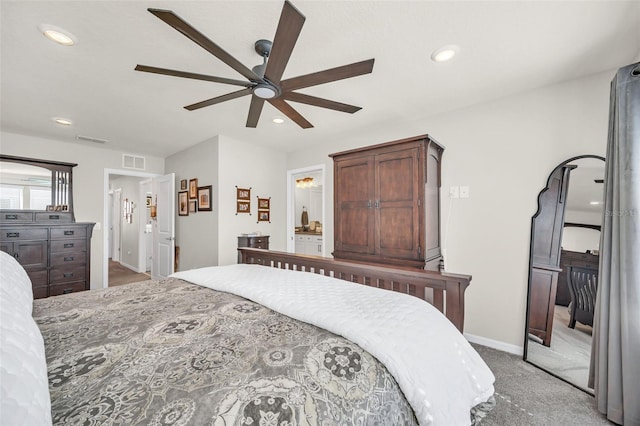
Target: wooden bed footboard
[(443, 290)]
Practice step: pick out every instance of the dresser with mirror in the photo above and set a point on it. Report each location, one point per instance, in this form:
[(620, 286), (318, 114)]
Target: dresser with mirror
[(38, 227)]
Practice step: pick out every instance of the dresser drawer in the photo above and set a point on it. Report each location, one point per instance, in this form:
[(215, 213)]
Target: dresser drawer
[(53, 217), (61, 259), (68, 232), (16, 217), (62, 246), (38, 278), (58, 289), (15, 234), (67, 273), (261, 243)]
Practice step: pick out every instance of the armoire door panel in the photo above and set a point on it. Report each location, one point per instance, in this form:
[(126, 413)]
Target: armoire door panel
[(354, 184), (355, 230), (396, 176), (398, 233)]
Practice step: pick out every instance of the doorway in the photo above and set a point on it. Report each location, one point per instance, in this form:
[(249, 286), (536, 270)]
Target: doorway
[(125, 216), (306, 210)]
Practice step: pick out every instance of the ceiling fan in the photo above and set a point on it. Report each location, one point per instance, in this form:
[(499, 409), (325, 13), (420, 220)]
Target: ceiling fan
[(264, 80)]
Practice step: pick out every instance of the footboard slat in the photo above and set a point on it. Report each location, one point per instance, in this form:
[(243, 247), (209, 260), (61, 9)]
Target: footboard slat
[(448, 289)]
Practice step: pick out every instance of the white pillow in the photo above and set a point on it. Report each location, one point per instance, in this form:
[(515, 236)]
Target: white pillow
[(24, 385)]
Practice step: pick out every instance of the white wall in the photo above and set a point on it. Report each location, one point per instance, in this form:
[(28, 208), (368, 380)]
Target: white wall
[(197, 234), (211, 238), (88, 180), (264, 171), (504, 151), (130, 232)]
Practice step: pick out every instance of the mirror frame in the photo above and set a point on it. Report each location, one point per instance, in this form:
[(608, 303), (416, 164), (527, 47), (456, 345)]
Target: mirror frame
[(530, 269), (53, 166)]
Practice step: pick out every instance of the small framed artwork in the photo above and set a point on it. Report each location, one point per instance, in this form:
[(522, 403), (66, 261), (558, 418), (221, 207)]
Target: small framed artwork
[(263, 203), (183, 185), (193, 206), (65, 207), (183, 203), (49, 208), (193, 188), (204, 198), (243, 207), (263, 216), (57, 208), (243, 193)]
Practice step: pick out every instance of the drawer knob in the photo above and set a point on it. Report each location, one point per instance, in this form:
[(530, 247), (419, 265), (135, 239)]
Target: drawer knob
[(68, 259), (13, 234), (68, 245), (68, 232), (11, 216), (67, 274), (54, 216), (67, 291)]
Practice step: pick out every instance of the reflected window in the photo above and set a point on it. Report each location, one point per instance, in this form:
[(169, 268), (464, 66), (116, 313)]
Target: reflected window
[(10, 197)]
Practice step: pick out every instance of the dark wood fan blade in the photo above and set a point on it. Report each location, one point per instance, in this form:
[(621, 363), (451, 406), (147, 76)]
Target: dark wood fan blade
[(289, 27), (326, 76), (255, 109), (174, 73), (219, 99), (288, 110), (194, 35), (320, 102)]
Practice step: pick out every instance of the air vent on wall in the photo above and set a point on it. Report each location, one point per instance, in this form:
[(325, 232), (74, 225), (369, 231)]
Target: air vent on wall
[(90, 139), (133, 162)]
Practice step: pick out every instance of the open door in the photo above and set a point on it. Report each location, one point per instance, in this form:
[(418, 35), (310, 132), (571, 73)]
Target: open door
[(163, 189)]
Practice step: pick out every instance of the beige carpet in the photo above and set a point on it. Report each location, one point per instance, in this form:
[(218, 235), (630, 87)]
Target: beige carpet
[(119, 275)]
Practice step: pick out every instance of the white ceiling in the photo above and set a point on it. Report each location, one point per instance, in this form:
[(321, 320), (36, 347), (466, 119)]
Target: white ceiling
[(506, 47)]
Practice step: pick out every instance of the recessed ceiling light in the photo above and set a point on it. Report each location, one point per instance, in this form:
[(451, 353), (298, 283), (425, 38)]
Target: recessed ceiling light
[(62, 121), (445, 53), (58, 35), (278, 120)]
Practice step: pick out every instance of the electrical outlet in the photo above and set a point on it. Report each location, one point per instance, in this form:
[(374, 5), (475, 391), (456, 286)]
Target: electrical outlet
[(464, 192), (454, 192)]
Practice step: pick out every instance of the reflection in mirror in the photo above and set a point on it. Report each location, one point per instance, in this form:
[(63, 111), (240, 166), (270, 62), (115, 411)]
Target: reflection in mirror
[(32, 184), (24, 187), (563, 273)]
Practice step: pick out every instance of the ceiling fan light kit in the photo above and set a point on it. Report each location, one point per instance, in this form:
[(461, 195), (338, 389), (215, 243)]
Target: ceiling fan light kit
[(264, 81)]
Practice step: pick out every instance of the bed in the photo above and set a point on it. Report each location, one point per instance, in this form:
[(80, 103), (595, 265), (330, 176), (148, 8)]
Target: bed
[(280, 339)]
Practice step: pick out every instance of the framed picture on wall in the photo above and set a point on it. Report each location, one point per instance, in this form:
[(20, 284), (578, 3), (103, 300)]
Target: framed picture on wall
[(183, 203), (243, 193), (193, 206), (183, 185), (204, 198), (263, 203), (193, 188), (263, 216), (243, 207)]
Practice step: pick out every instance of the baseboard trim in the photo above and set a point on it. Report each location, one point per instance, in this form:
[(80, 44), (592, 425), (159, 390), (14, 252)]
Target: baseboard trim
[(495, 344), (133, 268)]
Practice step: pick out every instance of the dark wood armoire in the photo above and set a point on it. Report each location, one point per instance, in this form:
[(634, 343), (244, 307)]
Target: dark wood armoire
[(387, 203)]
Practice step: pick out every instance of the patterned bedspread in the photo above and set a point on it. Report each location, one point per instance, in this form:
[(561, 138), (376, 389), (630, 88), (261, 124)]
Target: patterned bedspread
[(173, 353)]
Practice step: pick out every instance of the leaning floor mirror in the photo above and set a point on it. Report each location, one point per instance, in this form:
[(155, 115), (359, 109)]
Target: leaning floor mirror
[(563, 270)]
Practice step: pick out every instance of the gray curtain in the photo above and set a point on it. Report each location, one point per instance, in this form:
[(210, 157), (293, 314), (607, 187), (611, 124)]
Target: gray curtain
[(615, 354)]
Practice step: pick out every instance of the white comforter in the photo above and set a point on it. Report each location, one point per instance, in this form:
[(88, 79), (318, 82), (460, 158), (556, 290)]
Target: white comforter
[(441, 375)]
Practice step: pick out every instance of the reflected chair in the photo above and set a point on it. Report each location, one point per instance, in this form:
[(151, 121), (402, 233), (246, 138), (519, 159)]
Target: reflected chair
[(583, 286)]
